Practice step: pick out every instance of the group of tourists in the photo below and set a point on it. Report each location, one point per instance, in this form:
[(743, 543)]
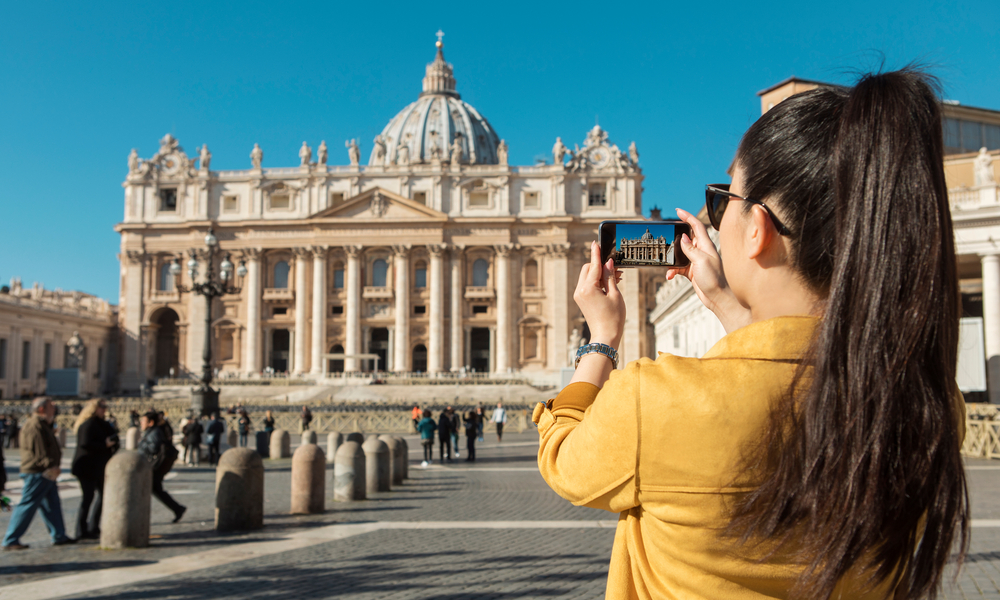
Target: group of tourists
[(193, 430), (448, 426), (97, 441)]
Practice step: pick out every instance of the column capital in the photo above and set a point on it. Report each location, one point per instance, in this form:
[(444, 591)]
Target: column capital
[(989, 257), (353, 250), (319, 251), (504, 250), (558, 250), (401, 250), (251, 254), (437, 250), (301, 253), (135, 256)]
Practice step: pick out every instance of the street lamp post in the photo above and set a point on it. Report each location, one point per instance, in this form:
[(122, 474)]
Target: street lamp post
[(205, 399)]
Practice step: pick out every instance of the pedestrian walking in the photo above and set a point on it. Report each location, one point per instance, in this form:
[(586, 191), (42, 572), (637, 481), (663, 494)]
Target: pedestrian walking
[(444, 435), (161, 454), (307, 418), (456, 426), (243, 426), (216, 429), (40, 456), (471, 433), (96, 443), (426, 427), (192, 432), (13, 432), (480, 421), (415, 414), (499, 418)]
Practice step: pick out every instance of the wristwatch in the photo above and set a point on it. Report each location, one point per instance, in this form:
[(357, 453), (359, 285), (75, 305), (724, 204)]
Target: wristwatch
[(604, 349)]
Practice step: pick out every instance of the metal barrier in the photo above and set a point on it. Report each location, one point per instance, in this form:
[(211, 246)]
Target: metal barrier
[(982, 431)]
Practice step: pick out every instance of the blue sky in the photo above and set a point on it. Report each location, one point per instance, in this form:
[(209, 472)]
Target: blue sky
[(83, 83), (630, 232)]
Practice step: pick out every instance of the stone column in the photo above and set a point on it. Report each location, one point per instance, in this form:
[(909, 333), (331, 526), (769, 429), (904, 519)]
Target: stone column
[(196, 319), (353, 338), (560, 302), (239, 491), (308, 480), (401, 266), (318, 309), (457, 293), (503, 307), (301, 291), (133, 262), (128, 484), (991, 323), (252, 354), (435, 355)]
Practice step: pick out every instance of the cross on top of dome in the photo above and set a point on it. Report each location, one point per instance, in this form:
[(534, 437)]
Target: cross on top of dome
[(439, 78)]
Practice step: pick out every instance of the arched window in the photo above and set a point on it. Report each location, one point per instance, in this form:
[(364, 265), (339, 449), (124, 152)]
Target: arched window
[(420, 275), (531, 273), (166, 279), (281, 274), (379, 271), (336, 364), (420, 358), (480, 273), (338, 276)]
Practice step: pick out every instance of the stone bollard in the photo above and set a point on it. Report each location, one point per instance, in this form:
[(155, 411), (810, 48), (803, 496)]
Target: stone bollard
[(128, 485), (377, 474), (281, 444), (333, 441), (349, 472), (308, 437), (356, 437), (405, 460), (232, 438), (395, 458), (132, 438), (308, 480), (239, 491)]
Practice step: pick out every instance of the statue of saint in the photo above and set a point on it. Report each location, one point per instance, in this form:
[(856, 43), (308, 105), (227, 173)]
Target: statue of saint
[(575, 341), (256, 156), (305, 154), (74, 352), (353, 152), (435, 152), (457, 154), (983, 168), (322, 153), (559, 151), (204, 157), (403, 155), (633, 154), (379, 153), (133, 161), (502, 153)]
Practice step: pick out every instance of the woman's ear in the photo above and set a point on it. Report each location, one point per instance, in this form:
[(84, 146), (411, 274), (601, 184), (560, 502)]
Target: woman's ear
[(760, 232)]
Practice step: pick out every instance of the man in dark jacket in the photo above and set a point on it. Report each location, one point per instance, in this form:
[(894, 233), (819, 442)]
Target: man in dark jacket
[(445, 426), (216, 429), (96, 442), (192, 441), (160, 452), (40, 456)]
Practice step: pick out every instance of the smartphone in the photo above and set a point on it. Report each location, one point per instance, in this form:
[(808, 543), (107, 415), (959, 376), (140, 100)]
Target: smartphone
[(644, 243)]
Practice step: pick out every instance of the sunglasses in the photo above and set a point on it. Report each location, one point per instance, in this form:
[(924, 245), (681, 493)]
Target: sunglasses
[(717, 197)]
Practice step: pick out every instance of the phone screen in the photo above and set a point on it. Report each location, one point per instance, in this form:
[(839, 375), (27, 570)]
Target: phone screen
[(644, 243)]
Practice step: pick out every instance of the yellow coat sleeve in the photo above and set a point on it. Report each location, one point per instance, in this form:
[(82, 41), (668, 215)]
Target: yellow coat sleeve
[(589, 445)]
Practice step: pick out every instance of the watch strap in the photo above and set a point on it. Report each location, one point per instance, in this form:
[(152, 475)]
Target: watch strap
[(597, 348)]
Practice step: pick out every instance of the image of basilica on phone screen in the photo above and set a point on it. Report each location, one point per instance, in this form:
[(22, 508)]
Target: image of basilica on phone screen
[(636, 246)]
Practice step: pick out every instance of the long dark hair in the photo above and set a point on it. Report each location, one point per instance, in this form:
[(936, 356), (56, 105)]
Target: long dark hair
[(866, 443)]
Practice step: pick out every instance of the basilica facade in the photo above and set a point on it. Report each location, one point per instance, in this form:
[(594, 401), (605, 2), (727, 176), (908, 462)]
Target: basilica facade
[(437, 256)]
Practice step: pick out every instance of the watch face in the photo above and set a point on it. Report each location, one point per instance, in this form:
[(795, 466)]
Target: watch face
[(171, 164), (599, 157)]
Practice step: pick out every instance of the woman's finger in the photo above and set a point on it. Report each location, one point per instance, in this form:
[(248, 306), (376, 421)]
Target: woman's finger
[(698, 230), (595, 263)]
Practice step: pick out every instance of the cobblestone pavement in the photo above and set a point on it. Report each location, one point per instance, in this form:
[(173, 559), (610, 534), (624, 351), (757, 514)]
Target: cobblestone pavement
[(490, 529)]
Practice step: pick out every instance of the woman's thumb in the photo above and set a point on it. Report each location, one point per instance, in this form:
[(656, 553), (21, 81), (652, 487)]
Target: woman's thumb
[(612, 280)]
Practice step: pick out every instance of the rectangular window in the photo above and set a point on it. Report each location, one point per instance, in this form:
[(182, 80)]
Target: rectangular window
[(3, 358), (596, 196), (47, 357), (479, 199), (168, 200), (338, 310), (280, 202), (991, 137), (972, 136), (230, 204), (420, 310), (420, 197), (336, 198), (420, 278), (280, 310), (480, 309), (952, 136), (338, 279), (531, 200), (25, 360)]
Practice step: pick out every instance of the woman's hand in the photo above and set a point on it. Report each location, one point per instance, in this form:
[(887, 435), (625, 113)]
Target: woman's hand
[(706, 275), (600, 301)]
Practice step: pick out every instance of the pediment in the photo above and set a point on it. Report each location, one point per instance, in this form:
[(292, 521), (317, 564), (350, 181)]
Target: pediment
[(378, 203)]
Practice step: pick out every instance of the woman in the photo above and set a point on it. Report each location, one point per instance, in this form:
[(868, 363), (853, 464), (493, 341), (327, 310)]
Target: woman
[(426, 428), (471, 432), (244, 427), (96, 442), (268, 425), (192, 431), (814, 451)]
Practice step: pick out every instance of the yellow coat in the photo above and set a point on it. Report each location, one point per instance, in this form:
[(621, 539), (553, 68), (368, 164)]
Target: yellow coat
[(661, 444)]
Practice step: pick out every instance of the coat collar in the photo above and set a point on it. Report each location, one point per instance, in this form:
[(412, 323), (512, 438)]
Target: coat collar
[(780, 338)]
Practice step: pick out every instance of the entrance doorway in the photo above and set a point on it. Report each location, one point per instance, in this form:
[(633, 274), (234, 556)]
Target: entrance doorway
[(167, 346), (479, 349), (379, 344), (420, 358), (280, 339), (336, 364)]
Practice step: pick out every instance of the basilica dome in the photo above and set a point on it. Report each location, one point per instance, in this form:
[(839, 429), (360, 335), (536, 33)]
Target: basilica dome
[(437, 125)]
